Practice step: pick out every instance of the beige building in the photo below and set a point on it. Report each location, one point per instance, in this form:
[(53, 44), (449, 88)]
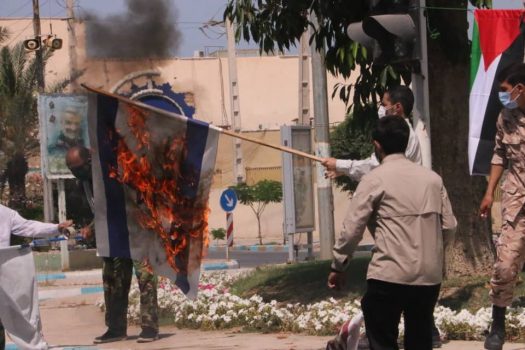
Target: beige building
[(268, 90)]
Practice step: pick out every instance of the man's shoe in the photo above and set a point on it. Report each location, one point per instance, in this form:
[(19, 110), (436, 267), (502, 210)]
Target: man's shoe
[(496, 337), (148, 335), (109, 337), (495, 340), (363, 343), (436, 338)]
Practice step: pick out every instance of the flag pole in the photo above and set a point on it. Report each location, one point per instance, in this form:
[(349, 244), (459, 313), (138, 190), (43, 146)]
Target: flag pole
[(277, 147), (221, 130)]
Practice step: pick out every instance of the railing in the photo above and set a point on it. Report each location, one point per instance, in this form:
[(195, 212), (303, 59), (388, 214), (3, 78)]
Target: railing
[(254, 175)]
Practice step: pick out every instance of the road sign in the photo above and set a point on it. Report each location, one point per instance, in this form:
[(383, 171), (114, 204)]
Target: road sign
[(229, 229), (228, 200)]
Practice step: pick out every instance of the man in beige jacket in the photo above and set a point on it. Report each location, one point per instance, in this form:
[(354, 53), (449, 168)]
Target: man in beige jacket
[(406, 208)]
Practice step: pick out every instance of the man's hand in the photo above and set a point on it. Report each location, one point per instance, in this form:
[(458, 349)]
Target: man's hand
[(485, 205), (329, 163), (331, 172), (86, 232), (336, 280), (63, 227)]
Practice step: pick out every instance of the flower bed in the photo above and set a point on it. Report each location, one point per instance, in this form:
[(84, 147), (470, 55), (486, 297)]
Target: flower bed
[(216, 308)]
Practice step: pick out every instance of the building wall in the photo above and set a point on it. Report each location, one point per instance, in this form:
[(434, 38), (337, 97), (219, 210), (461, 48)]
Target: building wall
[(268, 85), (268, 88)]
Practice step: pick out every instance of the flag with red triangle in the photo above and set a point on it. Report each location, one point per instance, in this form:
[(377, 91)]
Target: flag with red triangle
[(497, 41)]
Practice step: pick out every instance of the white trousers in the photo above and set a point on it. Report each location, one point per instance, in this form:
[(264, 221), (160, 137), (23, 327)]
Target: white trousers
[(19, 298)]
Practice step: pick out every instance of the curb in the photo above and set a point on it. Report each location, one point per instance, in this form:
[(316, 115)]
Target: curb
[(253, 248), (45, 294), (275, 248), (226, 265), (43, 277)]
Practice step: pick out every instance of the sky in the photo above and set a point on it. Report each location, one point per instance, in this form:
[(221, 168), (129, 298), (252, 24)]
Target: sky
[(192, 14)]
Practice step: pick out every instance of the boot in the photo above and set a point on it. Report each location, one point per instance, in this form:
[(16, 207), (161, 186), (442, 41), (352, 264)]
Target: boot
[(496, 337)]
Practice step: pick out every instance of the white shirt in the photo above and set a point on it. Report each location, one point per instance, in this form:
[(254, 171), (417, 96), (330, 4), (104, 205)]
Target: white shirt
[(356, 169), (12, 223)]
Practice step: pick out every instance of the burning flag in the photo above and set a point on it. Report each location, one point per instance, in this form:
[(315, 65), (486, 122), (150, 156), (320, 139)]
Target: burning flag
[(152, 172)]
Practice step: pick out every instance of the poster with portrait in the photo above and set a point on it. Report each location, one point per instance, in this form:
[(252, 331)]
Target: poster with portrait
[(63, 124)]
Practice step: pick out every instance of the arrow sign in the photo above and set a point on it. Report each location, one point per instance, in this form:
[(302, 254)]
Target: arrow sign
[(228, 200)]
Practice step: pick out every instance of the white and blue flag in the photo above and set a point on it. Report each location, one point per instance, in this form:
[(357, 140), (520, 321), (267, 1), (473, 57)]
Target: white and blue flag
[(152, 173)]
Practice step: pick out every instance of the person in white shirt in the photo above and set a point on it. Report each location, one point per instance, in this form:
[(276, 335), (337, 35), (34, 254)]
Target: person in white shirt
[(12, 223), (397, 101)]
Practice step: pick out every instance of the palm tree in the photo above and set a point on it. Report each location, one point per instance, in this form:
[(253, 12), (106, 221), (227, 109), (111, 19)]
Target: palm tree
[(18, 117), (4, 34)]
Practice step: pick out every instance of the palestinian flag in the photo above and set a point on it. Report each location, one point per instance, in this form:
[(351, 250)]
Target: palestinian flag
[(497, 41)]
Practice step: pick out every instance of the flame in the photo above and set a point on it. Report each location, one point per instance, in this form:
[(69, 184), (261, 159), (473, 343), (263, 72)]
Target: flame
[(163, 207)]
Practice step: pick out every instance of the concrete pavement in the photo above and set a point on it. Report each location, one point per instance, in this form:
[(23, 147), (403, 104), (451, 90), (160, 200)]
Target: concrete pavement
[(71, 322), (74, 322)]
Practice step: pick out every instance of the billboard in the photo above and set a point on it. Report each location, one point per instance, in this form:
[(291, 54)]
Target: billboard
[(63, 124), (298, 190)]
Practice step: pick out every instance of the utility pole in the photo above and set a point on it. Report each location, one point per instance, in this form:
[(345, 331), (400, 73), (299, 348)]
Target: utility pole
[(304, 81), (420, 87), (304, 109), (325, 198), (47, 184), (72, 39), (38, 36), (238, 168)]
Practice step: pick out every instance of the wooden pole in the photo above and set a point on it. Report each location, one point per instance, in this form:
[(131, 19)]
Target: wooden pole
[(225, 132), (277, 147)]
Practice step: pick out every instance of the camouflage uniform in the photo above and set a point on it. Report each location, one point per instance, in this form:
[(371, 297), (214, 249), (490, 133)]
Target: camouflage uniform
[(148, 295), (116, 276), (510, 153)]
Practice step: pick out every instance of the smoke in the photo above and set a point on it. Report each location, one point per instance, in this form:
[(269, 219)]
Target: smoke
[(146, 30)]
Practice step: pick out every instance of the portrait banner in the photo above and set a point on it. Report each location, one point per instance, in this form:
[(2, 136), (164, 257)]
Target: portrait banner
[(63, 124)]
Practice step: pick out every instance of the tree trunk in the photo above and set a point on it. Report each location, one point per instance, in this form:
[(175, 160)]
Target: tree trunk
[(472, 252), (259, 229), (16, 174)]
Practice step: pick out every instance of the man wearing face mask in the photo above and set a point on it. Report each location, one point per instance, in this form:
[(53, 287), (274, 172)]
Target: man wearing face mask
[(508, 154), (117, 272), (398, 101)]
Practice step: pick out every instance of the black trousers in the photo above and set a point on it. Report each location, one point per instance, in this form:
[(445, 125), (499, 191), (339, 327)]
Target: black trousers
[(383, 304)]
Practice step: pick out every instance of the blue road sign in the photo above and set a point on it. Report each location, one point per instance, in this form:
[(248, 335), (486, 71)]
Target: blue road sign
[(228, 200)]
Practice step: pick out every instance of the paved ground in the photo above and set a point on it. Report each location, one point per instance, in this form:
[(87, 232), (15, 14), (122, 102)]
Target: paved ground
[(74, 322), (71, 322)]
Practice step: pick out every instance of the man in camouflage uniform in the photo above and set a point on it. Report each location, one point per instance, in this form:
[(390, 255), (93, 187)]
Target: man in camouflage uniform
[(149, 318), (508, 154), (117, 272)]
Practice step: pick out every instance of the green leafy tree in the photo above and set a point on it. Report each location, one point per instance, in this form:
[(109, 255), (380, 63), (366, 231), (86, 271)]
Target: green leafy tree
[(218, 233), (277, 24), (258, 196)]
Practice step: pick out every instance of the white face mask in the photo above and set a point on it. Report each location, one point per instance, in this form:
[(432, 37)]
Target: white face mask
[(382, 111)]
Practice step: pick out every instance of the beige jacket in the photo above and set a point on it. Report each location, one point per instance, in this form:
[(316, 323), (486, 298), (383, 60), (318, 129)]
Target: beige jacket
[(407, 210)]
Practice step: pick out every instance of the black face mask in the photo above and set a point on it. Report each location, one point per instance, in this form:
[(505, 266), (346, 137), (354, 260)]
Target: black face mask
[(82, 172)]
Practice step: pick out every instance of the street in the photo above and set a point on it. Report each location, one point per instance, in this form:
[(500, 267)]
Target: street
[(254, 259)]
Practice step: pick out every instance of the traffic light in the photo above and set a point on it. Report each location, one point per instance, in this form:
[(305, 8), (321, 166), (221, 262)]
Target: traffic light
[(390, 32), (32, 44)]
